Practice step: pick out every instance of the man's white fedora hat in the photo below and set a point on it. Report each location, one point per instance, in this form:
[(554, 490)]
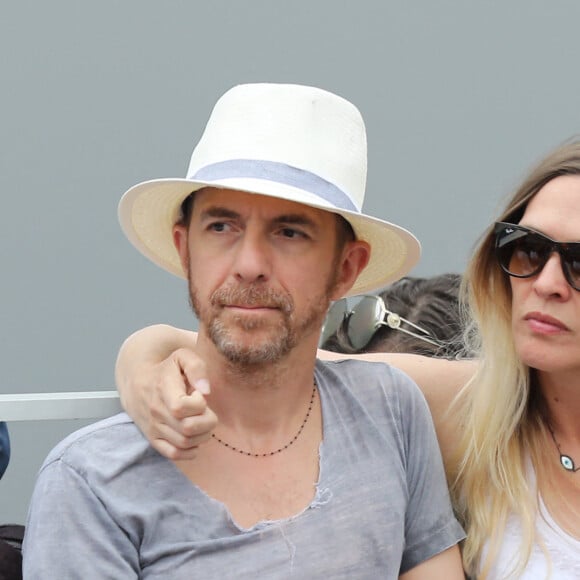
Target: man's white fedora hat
[(294, 142)]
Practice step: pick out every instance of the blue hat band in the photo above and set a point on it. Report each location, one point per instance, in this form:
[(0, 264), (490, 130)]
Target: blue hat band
[(278, 173)]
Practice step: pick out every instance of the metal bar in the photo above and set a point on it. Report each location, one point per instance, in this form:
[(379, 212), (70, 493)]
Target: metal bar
[(46, 406)]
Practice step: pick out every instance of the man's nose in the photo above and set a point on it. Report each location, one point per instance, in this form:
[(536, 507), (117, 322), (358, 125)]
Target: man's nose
[(253, 259)]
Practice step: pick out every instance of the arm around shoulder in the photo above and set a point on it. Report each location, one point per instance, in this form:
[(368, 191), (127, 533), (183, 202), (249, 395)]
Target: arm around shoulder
[(439, 379)]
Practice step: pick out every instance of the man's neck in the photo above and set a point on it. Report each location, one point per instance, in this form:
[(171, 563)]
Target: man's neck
[(258, 396)]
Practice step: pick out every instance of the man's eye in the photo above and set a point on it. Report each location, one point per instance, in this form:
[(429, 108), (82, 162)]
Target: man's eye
[(217, 227), (292, 233)]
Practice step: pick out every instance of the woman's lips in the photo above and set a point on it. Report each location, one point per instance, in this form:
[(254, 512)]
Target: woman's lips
[(544, 324)]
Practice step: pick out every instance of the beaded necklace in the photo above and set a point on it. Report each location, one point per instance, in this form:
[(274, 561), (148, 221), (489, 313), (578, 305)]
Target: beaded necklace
[(291, 442)]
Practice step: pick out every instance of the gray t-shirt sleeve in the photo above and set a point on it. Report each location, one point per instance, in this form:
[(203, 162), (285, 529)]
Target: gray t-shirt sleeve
[(430, 525), (72, 532)]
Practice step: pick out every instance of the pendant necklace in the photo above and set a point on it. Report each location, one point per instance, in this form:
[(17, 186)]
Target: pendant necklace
[(291, 442), (565, 460)]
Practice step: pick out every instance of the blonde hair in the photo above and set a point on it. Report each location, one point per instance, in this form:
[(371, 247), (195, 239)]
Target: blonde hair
[(501, 409)]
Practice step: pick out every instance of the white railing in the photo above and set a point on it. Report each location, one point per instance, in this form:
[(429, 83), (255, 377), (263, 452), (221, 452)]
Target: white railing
[(74, 405)]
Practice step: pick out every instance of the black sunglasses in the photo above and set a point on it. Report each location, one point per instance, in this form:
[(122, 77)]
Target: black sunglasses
[(365, 318), (523, 252)]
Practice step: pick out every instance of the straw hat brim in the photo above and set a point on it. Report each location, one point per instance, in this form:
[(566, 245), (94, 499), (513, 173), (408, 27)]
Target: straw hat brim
[(149, 210)]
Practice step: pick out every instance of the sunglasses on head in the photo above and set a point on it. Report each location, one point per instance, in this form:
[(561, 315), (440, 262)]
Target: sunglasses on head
[(364, 319), (523, 252)]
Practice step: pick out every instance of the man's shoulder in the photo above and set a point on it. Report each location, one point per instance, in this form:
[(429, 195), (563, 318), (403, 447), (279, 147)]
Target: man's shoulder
[(97, 442), (359, 374), (377, 386), (348, 364), (374, 398)]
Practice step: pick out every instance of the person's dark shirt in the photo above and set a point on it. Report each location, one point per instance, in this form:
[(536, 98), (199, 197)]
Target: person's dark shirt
[(4, 448)]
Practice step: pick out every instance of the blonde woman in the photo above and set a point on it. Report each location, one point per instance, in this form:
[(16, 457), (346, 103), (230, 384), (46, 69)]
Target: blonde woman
[(508, 425), (515, 472)]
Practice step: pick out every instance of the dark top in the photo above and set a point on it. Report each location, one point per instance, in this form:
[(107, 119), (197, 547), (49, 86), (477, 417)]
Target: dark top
[(4, 448)]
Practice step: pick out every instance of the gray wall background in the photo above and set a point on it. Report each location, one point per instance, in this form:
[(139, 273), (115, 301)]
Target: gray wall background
[(460, 98)]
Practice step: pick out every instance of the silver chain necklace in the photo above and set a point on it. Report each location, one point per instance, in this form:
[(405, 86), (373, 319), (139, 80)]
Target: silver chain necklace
[(292, 441)]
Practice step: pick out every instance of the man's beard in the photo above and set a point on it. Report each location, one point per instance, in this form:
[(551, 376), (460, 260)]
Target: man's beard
[(282, 336)]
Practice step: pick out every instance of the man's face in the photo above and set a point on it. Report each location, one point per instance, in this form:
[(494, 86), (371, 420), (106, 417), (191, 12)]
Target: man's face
[(261, 272)]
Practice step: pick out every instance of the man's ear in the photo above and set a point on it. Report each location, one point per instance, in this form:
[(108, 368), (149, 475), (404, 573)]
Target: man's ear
[(180, 240), (355, 257)]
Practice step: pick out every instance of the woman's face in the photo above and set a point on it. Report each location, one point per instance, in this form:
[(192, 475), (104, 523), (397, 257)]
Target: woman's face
[(545, 308)]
